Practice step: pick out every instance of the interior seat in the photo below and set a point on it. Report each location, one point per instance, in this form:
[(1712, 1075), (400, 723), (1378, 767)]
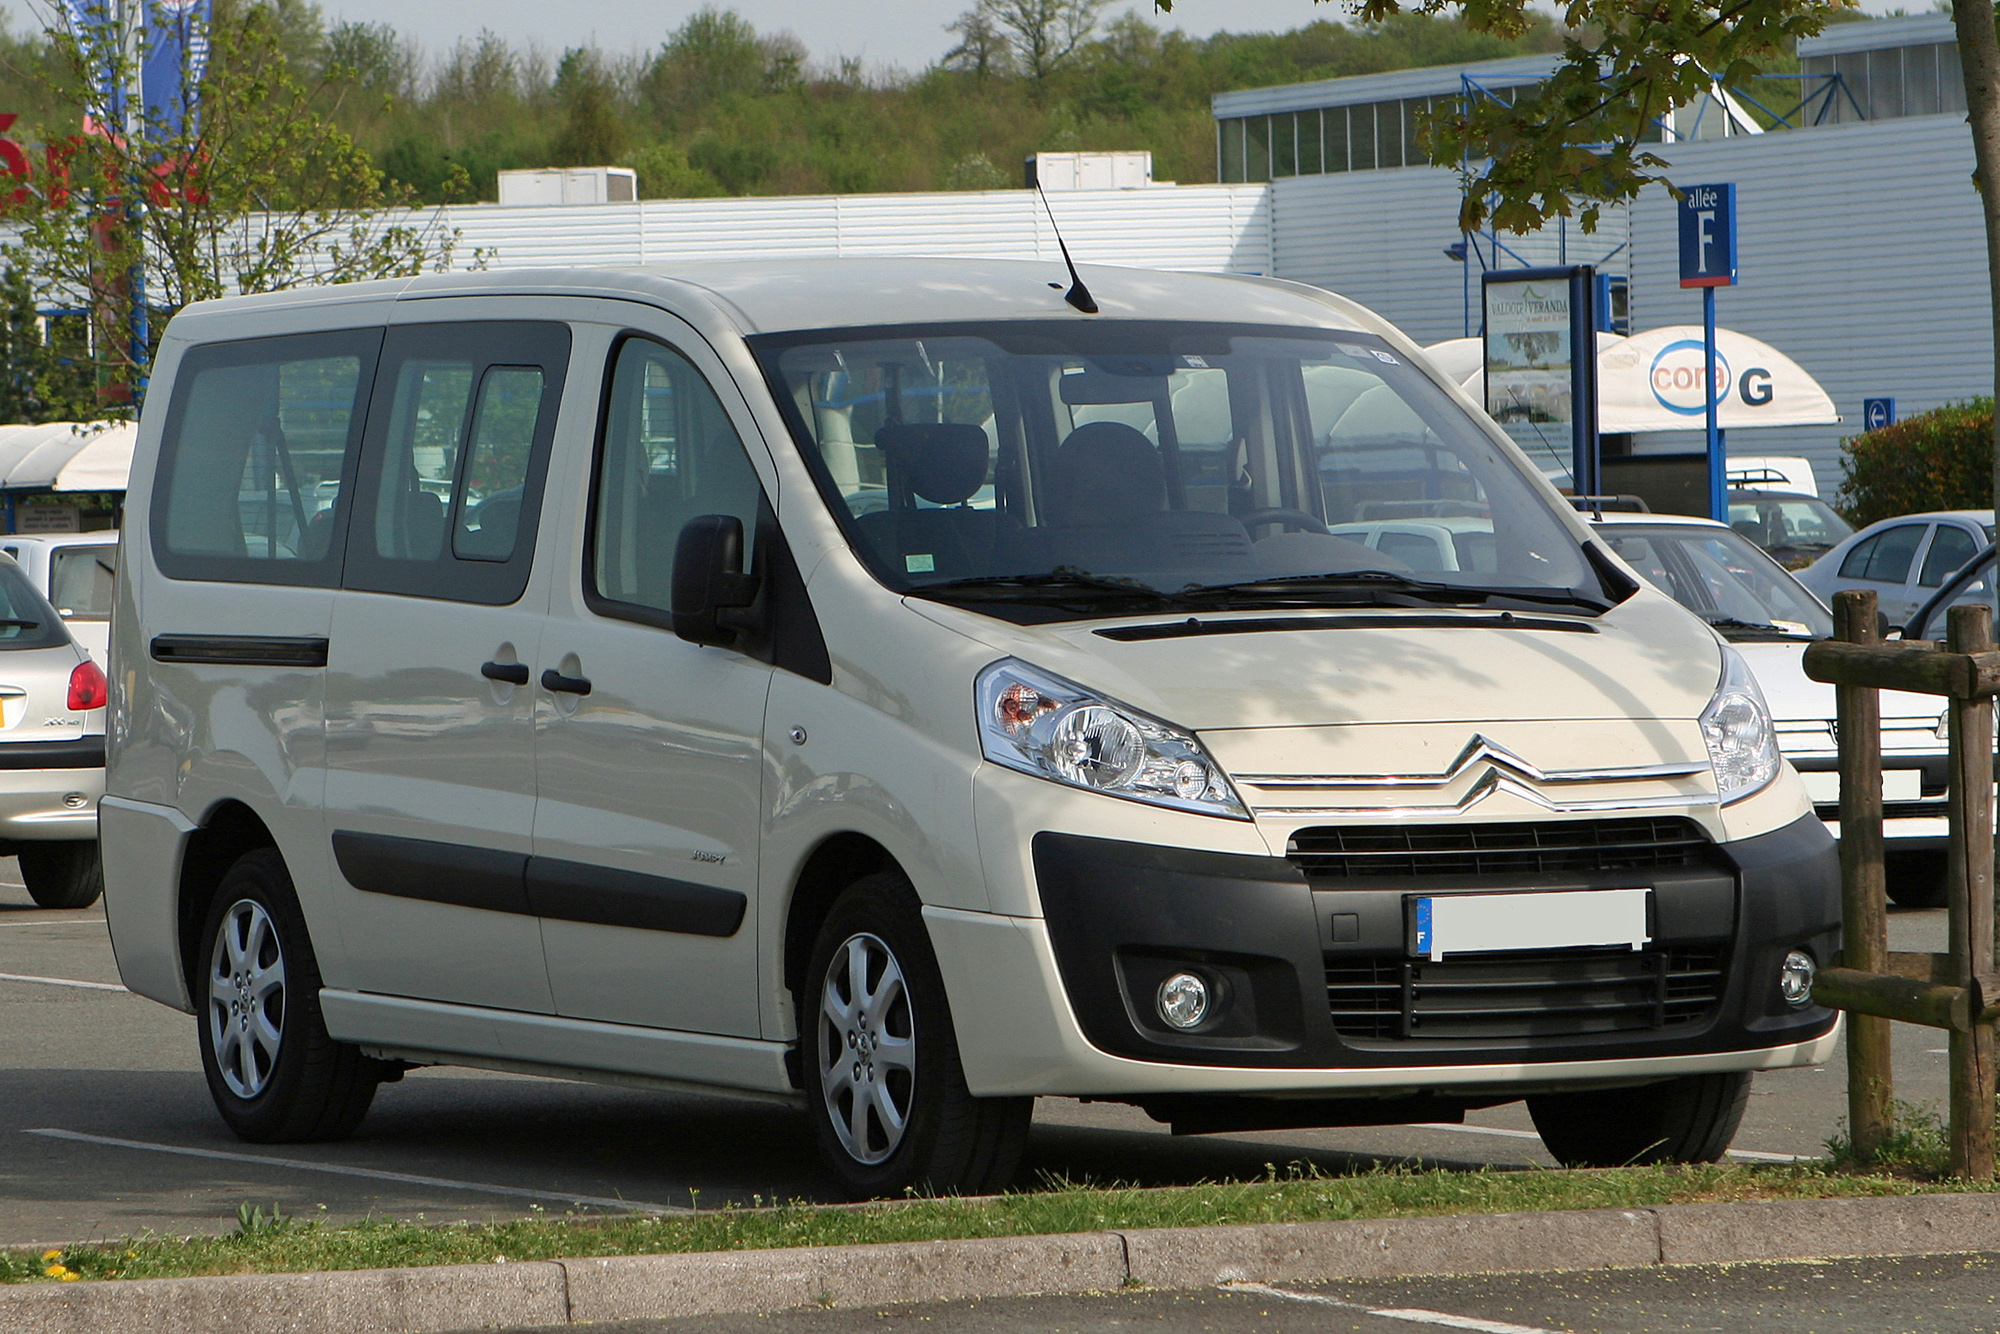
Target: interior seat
[(943, 464), (1108, 493)]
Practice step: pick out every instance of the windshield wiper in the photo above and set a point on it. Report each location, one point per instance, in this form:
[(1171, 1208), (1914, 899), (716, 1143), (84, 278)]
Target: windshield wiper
[(1375, 583), (1759, 627), (1039, 587)]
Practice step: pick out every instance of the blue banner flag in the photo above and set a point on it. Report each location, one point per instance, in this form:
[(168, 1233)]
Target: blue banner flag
[(176, 56)]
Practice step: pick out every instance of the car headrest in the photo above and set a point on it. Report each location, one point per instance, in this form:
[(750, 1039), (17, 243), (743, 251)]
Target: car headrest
[(942, 462), (1108, 473)]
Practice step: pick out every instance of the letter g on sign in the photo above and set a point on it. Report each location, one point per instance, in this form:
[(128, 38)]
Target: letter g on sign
[(1755, 387)]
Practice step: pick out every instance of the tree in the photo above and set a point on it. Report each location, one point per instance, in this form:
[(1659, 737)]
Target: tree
[(1041, 36), (591, 134), (256, 193)]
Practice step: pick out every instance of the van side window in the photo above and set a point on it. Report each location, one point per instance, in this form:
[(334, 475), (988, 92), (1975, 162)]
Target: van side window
[(667, 454), (452, 471), (1951, 547), (258, 457)]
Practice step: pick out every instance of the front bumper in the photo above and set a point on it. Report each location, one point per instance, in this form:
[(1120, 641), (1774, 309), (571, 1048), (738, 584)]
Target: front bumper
[(1122, 915), (49, 789)]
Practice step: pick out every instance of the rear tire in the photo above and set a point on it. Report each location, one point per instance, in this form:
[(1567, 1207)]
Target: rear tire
[(275, 1075), (1686, 1120), (884, 1085), (62, 875), (1915, 879)]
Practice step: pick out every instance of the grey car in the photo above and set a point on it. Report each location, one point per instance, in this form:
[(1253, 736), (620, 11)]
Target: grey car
[(52, 698), (1904, 559)]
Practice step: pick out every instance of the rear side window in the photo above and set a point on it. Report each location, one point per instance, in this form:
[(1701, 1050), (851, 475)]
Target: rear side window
[(83, 581), (1951, 547), (258, 457), (26, 618), (1885, 558), (458, 442)]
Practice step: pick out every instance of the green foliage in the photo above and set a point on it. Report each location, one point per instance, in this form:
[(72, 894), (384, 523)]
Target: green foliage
[(750, 112), (1937, 460), (45, 375), (1918, 1145), (1285, 1195)]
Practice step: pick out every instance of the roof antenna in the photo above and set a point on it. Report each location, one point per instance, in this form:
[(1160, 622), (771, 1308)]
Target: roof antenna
[(1078, 295)]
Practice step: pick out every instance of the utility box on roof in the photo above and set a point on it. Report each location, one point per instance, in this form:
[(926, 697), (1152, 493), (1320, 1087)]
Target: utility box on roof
[(569, 185), (1090, 171)]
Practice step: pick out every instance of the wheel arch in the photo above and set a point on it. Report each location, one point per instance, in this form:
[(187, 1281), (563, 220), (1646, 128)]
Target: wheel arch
[(835, 862), (229, 830)]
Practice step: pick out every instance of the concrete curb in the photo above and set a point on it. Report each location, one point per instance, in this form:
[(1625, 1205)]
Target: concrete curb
[(561, 1292)]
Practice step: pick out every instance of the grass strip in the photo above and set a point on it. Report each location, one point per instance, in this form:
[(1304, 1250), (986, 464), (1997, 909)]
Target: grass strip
[(274, 1244)]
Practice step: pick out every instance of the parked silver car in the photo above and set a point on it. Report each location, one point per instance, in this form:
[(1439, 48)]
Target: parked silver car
[(78, 572), (52, 698), (1903, 559)]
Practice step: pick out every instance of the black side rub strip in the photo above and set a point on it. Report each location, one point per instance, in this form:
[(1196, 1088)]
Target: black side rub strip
[(580, 892), (417, 868), (83, 753), (513, 882), (242, 650)]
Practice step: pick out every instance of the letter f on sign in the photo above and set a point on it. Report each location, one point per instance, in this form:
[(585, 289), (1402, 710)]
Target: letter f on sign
[(1705, 220)]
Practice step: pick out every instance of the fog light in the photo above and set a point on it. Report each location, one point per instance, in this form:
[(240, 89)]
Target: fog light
[(1795, 978), (1183, 1001)]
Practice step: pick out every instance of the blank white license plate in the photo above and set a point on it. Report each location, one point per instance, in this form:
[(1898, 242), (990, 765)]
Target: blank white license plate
[(1897, 785), (1558, 919)]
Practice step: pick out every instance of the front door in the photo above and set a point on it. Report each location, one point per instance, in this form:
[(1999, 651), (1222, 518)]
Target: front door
[(649, 760), (436, 634)]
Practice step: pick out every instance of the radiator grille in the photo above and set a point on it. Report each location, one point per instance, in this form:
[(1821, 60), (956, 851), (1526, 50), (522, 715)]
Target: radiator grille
[(1512, 851), (1552, 993)]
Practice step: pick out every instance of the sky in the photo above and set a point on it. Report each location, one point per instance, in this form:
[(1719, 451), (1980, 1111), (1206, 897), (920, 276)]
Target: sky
[(906, 33)]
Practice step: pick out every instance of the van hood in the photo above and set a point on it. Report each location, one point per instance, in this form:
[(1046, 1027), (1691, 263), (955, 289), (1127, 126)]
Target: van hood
[(1646, 658)]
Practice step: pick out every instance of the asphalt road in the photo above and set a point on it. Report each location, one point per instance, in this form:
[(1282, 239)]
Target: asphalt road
[(106, 1128), (1958, 1294)]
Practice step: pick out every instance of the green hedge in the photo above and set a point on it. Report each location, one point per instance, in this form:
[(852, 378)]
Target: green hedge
[(1936, 460)]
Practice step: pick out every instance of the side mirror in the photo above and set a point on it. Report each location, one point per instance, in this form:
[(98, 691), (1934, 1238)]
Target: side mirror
[(711, 590)]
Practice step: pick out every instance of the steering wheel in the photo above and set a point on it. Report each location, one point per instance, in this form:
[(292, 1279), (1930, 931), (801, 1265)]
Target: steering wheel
[(1289, 518)]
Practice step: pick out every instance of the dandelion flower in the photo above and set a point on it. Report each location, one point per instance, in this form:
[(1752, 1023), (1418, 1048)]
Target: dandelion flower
[(52, 1255), (69, 1276), (55, 1271)]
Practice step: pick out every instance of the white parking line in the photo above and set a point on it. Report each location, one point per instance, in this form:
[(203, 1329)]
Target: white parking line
[(58, 921), (62, 982), (1749, 1155), (372, 1174), (1415, 1315)]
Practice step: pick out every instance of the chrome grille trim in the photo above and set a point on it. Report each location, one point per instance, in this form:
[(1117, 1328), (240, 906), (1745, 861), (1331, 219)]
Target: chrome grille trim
[(1479, 750)]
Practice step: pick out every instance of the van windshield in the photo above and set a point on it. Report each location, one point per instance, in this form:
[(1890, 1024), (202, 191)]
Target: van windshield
[(1046, 470)]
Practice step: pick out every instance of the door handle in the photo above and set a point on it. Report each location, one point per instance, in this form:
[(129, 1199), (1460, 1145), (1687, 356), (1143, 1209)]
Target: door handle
[(555, 682), (513, 673)]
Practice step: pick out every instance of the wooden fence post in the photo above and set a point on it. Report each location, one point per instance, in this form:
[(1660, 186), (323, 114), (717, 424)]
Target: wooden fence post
[(1969, 891), (1864, 909)]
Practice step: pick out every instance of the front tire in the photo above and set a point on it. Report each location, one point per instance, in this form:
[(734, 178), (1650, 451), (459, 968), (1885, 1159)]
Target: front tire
[(1686, 1120), (62, 875), (275, 1075), (885, 1088)]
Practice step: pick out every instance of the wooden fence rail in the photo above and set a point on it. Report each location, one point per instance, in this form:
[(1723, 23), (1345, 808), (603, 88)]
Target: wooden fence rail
[(1957, 990)]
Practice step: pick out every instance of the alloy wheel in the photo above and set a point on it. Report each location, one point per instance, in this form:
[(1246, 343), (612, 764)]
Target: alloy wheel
[(246, 998), (867, 1049)]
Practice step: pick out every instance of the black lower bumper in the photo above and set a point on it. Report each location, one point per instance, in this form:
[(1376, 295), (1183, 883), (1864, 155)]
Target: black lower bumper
[(1309, 973)]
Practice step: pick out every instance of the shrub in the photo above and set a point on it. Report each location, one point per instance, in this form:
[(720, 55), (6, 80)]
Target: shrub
[(1936, 460)]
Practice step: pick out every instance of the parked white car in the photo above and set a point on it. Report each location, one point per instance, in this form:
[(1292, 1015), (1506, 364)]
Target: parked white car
[(813, 680), (1904, 559), (78, 572), (52, 698), (1717, 573)]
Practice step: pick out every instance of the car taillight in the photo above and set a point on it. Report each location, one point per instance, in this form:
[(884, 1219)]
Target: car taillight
[(87, 687)]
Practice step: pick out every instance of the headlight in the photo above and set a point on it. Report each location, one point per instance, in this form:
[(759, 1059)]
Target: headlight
[(1742, 745), (1055, 729)]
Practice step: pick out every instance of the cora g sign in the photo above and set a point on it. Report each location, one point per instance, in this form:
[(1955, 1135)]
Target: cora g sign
[(1675, 378)]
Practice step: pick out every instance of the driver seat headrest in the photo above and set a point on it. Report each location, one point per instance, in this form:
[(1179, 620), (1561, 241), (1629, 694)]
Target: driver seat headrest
[(942, 462), (1108, 472)]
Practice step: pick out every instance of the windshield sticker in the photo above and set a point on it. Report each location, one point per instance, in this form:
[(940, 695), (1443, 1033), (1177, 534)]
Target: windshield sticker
[(1194, 363), (1384, 356), (925, 564), (1352, 349)]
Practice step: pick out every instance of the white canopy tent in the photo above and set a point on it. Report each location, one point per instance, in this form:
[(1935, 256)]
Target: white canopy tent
[(67, 456), (1652, 381)]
